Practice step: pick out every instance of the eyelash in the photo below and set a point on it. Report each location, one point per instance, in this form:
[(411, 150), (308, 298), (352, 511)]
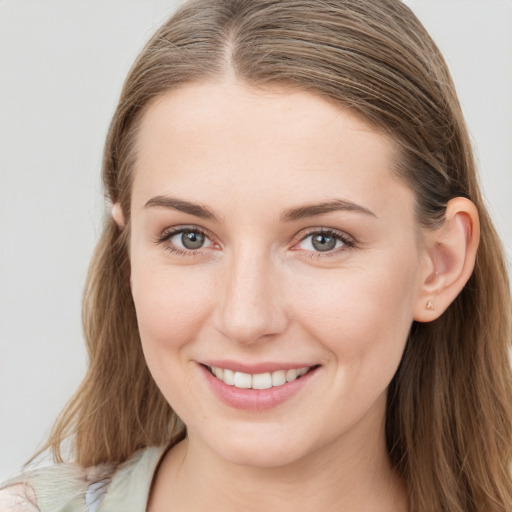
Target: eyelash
[(348, 242), (169, 233)]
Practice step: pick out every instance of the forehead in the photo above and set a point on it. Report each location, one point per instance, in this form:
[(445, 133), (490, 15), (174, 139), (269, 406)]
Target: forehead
[(229, 141)]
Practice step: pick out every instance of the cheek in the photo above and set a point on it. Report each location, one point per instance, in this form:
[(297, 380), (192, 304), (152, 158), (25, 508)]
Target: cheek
[(362, 316), (171, 305)]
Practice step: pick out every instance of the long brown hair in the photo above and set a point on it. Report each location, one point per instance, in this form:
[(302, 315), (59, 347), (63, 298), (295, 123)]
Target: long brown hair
[(449, 417)]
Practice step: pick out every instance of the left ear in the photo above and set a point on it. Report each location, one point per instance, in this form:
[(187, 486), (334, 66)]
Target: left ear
[(450, 253)]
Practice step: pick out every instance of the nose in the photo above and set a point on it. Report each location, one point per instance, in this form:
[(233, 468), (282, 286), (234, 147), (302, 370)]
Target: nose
[(251, 307)]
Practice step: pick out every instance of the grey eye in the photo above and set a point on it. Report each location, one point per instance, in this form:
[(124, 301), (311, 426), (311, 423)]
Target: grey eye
[(192, 239), (323, 242)]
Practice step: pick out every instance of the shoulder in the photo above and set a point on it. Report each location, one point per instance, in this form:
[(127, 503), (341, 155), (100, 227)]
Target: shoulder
[(67, 487), (54, 488), (18, 497)]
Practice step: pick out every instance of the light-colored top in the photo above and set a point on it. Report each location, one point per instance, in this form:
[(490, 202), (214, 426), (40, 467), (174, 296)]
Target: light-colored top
[(68, 488)]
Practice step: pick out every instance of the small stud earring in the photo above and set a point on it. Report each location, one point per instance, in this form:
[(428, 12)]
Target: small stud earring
[(430, 305)]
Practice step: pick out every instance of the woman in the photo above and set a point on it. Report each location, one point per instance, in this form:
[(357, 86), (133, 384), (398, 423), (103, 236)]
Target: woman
[(299, 300)]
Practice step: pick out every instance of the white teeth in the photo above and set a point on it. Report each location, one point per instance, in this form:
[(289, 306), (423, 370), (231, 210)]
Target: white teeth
[(229, 377), (278, 378), (243, 380), (218, 372), (260, 380), (291, 375)]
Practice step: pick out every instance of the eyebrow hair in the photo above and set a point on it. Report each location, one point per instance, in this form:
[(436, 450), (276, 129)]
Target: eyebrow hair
[(311, 210), (182, 206), (292, 214)]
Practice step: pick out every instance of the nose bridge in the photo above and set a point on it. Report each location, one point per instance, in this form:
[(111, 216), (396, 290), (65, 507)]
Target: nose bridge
[(251, 308)]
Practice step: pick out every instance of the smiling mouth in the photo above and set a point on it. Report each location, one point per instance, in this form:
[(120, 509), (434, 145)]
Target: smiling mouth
[(266, 380)]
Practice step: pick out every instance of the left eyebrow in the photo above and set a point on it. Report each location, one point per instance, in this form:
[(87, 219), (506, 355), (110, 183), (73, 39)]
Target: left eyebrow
[(312, 210)]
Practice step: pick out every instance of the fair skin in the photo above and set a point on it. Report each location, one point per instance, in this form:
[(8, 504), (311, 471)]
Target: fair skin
[(227, 272)]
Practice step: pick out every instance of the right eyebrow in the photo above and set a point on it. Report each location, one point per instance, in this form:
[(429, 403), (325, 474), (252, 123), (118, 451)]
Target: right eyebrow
[(182, 206)]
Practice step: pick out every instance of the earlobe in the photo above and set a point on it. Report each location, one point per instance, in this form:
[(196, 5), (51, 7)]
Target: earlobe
[(117, 215), (450, 254)]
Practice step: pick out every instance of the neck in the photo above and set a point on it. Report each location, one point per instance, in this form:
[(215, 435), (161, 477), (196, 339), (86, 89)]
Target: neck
[(350, 474)]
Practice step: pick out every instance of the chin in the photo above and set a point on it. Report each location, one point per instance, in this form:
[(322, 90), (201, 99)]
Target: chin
[(259, 447), (261, 456)]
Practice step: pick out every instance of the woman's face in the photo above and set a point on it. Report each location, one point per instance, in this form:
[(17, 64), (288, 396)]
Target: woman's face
[(269, 235)]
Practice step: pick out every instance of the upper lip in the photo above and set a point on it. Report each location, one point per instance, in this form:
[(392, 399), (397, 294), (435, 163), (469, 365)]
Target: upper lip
[(255, 368)]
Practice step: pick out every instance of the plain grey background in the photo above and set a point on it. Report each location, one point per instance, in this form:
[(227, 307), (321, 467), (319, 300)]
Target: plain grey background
[(62, 63)]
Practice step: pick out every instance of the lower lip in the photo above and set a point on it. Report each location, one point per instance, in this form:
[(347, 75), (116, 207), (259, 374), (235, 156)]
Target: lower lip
[(255, 399)]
